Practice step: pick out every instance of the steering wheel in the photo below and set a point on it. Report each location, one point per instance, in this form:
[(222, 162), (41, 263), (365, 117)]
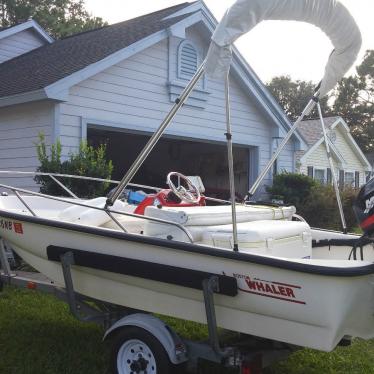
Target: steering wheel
[(191, 194)]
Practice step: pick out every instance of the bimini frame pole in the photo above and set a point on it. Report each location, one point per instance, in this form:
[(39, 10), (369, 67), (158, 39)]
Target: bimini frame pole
[(334, 179), (276, 154), (156, 136), (231, 161)]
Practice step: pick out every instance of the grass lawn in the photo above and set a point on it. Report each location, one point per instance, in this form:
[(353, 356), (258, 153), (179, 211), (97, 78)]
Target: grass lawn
[(39, 336)]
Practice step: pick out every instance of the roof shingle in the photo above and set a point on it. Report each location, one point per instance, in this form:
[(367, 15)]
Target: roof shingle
[(48, 64), (311, 130)]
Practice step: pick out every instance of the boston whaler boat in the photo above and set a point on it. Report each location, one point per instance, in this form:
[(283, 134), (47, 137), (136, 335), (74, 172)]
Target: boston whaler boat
[(275, 277)]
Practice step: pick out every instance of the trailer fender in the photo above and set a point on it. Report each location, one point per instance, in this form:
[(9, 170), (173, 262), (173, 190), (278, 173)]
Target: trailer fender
[(172, 343)]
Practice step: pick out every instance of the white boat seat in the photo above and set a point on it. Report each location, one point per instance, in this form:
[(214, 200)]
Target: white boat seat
[(270, 237), (289, 239), (91, 217), (218, 215), (132, 225)]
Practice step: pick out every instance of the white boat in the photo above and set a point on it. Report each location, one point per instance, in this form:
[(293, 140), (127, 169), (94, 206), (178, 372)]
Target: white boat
[(278, 278), (277, 286)]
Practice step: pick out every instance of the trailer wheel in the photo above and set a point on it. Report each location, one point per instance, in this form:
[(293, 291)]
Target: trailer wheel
[(136, 351)]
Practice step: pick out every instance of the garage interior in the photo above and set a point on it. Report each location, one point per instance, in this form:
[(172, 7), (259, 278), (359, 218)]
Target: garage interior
[(208, 160)]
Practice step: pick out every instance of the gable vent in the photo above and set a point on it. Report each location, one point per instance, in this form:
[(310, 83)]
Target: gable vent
[(188, 61)]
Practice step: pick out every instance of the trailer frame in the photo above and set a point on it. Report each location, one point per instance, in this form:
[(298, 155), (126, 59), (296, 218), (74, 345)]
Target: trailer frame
[(249, 354)]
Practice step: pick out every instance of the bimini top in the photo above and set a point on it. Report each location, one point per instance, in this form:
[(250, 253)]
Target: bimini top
[(329, 15)]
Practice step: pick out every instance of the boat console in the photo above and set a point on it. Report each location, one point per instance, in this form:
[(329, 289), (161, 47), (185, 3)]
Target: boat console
[(183, 192)]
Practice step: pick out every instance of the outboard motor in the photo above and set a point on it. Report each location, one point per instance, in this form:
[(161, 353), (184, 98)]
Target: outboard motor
[(364, 208)]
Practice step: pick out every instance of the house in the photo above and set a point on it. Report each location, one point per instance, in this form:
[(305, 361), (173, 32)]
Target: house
[(351, 165), (115, 85), (370, 157), (20, 39)]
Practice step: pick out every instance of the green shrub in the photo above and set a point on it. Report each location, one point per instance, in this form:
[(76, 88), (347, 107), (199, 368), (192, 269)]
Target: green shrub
[(321, 209), (291, 188), (315, 202), (89, 162)]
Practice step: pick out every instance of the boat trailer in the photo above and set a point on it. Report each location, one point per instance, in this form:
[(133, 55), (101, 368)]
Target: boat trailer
[(248, 354)]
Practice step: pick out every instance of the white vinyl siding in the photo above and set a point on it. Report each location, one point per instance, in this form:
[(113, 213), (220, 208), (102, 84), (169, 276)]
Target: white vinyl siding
[(19, 129), (18, 44), (133, 95), (318, 158)]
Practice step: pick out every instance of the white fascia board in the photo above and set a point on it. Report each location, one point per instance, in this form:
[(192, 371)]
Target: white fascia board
[(23, 98), (179, 29), (340, 121), (333, 148), (60, 90), (359, 152), (42, 32), (356, 149), (120, 55), (195, 7), (31, 24), (97, 67), (338, 154), (319, 142), (28, 97)]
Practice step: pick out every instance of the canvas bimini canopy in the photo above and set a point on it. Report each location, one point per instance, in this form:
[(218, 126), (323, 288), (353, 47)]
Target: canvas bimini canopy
[(329, 15)]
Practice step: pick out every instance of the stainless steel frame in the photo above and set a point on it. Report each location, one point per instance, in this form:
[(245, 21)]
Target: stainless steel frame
[(74, 201), (156, 136), (309, 107), (230, 158), (334, 179)]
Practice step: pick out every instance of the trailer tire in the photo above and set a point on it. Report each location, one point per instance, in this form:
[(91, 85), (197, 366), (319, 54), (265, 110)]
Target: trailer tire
[(135, 350)]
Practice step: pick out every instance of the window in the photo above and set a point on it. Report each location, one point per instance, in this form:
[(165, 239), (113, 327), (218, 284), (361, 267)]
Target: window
[(319, 175), (349, 179), (188, 60)]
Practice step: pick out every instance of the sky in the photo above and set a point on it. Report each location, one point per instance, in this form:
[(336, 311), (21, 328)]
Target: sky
[(272, 48)]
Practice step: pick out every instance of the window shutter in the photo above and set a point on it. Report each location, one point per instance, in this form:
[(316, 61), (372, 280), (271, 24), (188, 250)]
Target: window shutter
[(310, 171), (188, 61), (341, 178), (275, 168), (357, 179), (329, 176)]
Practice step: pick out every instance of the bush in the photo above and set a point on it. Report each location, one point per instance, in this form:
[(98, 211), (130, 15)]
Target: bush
[(315, 202), (291, 188), (321, 209), (89, 162)]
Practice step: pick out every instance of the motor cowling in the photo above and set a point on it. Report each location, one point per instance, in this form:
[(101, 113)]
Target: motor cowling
[(364, 208)]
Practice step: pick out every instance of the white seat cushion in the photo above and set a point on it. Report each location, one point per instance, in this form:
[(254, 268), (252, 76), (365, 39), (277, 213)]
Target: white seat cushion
[(218, 215), (88, 216), (277, 238)]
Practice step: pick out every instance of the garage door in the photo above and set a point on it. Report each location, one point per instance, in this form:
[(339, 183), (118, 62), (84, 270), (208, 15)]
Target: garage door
[(208, 160)]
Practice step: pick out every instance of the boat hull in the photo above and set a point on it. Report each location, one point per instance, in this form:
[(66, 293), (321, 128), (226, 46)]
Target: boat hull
[(308, 308)]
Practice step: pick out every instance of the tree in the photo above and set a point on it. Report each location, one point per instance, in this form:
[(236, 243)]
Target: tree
[(60, 18), (354, 101), (294, 95)]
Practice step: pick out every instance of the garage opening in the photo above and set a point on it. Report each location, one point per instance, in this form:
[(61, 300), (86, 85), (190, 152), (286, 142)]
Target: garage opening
[(208, 160)]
